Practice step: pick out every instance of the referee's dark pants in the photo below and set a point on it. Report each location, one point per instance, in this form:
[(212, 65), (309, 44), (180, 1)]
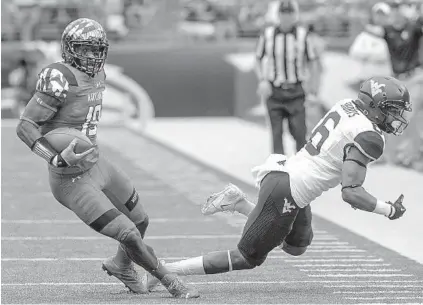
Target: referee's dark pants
[(287, 102)]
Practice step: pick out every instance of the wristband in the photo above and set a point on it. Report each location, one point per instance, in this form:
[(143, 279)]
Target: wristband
[(384, 208), (43, 148)]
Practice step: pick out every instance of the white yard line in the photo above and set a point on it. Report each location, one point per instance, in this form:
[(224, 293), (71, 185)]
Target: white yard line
[(385, 298), (305, 260), (361, 275), (341, 265), (335, 250), (231, 303), (368, 285), (376, 292), (351, 270)]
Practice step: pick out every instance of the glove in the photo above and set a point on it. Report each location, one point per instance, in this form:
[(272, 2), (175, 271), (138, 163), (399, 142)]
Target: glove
[(399, 209)]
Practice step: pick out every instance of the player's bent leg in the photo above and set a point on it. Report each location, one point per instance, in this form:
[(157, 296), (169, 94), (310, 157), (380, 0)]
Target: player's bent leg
[(211, 263), (135, 212), (121, 192), (270, 221), (124, 230), (267, 226), (301, 234), (83, 196)]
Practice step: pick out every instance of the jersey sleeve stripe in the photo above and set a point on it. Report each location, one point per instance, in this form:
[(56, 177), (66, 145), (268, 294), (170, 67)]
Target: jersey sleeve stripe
[(364, 152), (67, 73)]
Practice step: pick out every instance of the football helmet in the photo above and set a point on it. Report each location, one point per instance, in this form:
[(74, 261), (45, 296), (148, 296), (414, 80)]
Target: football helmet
[(386, 102), (84, 45)]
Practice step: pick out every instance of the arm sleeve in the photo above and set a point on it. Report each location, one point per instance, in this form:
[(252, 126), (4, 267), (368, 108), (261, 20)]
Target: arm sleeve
[(370, 143)]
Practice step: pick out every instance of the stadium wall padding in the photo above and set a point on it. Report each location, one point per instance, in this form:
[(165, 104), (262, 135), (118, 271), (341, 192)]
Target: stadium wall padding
[(190, 81)]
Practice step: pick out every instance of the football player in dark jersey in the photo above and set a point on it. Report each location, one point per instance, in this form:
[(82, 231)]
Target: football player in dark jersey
[(70, 94)]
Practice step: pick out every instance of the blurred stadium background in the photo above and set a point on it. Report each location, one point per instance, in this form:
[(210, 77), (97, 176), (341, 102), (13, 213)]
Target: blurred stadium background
[(177, 71)]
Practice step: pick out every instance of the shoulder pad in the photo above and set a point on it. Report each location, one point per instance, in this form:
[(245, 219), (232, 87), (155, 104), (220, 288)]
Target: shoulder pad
[(370, 143), (55, 80)]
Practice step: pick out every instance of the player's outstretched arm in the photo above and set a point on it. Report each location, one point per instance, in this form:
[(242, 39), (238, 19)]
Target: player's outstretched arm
[(353, 175)]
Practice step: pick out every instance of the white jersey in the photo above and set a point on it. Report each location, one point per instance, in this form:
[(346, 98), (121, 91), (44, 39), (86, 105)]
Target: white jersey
[(317, 166)]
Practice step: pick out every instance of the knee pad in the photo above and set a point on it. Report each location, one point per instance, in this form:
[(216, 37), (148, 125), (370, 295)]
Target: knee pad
[(292, 250), (142, 226), (240, 262)]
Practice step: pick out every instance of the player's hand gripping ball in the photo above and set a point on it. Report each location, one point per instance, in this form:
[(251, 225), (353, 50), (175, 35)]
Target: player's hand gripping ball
[(72, 144)]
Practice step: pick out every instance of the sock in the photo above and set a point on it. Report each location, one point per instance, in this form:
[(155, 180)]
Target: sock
[(244, 207), (215, 262), (142, 255), (121, 258), (191, 266)]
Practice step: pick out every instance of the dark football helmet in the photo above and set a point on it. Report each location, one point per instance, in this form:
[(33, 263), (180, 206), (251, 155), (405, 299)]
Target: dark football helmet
[(386, 102), (84, 45)]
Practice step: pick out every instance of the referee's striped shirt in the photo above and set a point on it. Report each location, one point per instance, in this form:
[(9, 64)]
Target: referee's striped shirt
[(282, 56)]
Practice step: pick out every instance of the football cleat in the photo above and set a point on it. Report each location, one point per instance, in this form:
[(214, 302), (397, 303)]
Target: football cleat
[(129, 276), (177, 287), (223, 201)]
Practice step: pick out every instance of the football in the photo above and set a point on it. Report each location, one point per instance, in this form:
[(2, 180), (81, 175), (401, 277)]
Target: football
[(60, 138)]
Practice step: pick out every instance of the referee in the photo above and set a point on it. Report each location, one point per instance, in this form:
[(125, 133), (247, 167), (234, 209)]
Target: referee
[(284, 52)]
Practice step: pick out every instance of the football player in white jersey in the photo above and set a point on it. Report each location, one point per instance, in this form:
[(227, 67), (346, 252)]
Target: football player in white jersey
[(344, 142)]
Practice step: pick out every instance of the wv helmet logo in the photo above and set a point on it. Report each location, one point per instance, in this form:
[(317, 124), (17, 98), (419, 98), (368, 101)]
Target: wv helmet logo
[(376, 88), (288, 207)]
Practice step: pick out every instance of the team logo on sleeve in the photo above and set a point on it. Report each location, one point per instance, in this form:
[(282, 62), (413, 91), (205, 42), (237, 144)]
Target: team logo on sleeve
[(52, 81), (376, 88)]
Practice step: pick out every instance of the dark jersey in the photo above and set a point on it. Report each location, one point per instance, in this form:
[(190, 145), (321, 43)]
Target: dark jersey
[(74, 97), (404, 46)]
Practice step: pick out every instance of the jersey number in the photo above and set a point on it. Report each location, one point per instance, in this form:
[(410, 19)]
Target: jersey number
[(321, 133), (91, 121)]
